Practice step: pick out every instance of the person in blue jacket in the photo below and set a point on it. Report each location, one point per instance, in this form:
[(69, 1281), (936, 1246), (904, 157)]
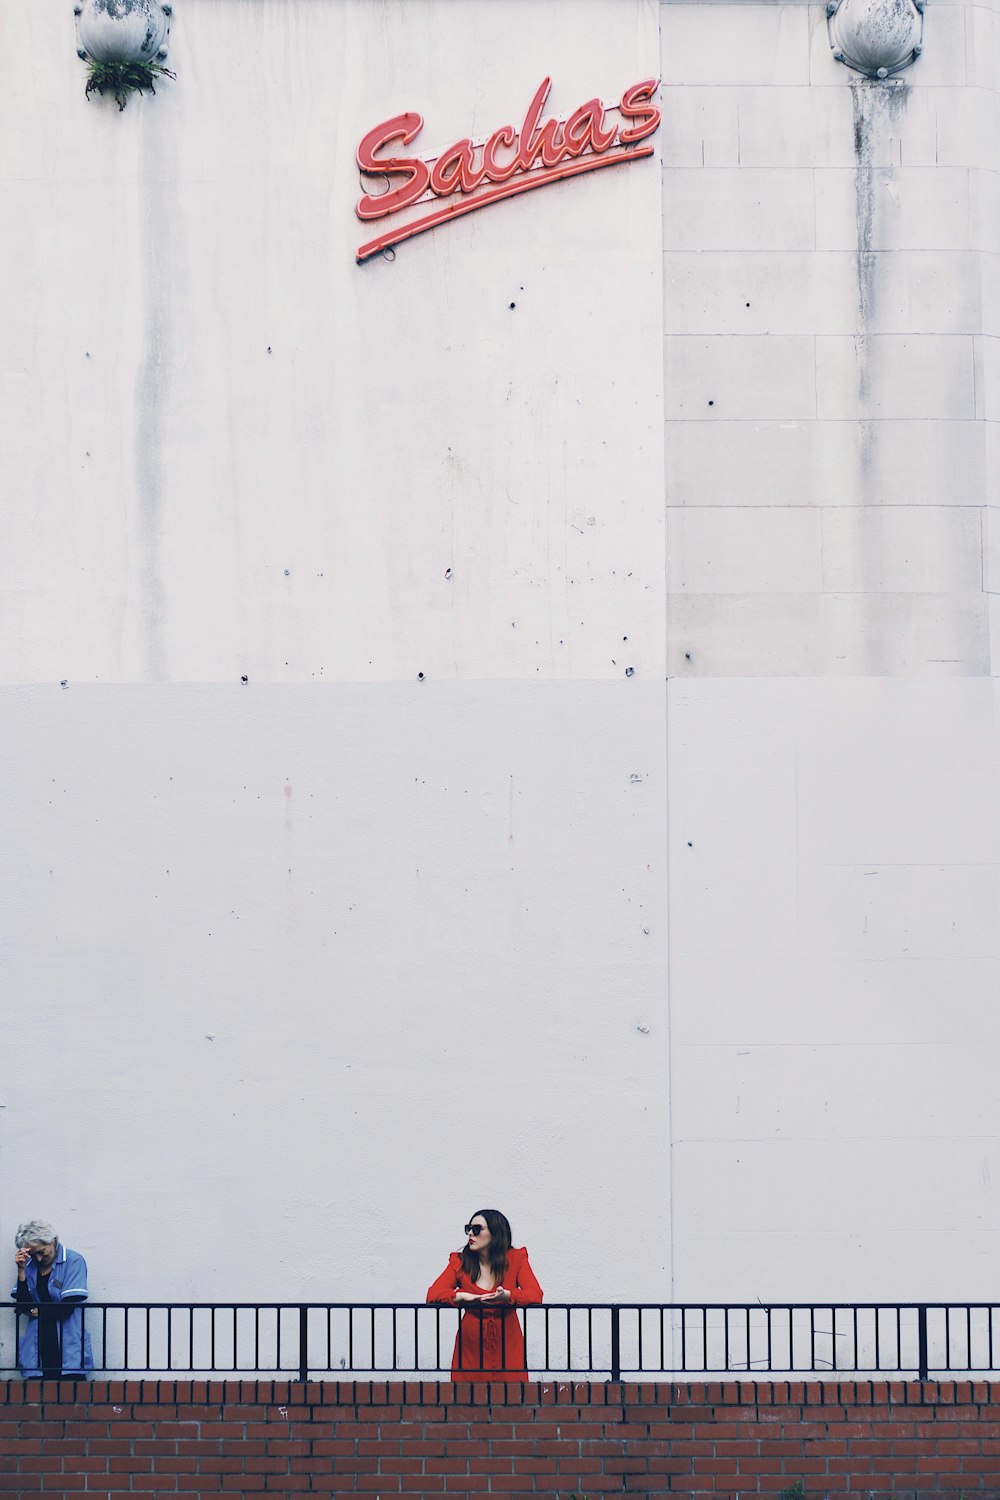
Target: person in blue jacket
[(50, 1292)]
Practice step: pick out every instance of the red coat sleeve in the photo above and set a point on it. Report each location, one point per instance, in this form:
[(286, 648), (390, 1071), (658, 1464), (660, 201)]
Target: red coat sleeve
[(444, 1289), (526, 1288)]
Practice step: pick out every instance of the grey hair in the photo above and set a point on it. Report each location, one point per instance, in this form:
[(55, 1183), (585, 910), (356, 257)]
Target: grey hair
[(34, 1231)]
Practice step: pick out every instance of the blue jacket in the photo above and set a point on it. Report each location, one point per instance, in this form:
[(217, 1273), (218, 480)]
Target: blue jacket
[(68, 1278)]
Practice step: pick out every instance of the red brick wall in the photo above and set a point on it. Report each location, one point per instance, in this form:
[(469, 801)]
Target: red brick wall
[(540, 1441)]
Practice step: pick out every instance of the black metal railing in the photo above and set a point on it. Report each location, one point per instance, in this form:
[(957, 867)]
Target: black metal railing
[(595, 1341)]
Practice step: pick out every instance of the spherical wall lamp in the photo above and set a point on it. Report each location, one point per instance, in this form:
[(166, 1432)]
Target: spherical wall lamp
[(124, 43), (876, 37)]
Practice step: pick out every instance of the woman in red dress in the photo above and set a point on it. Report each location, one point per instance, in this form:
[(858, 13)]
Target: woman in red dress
[(489, 1278)]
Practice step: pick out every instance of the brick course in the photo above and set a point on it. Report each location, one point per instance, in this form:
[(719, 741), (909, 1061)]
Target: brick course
[(847, 1440)]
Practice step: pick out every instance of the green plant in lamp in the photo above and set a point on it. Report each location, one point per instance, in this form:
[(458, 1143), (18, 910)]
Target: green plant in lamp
[(123, 79)]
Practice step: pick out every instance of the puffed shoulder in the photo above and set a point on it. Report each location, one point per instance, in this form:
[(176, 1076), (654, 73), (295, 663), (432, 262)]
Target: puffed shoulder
[(455, 1259)]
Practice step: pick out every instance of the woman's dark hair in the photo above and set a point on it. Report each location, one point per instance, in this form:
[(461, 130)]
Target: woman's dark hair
[(499, 1229)]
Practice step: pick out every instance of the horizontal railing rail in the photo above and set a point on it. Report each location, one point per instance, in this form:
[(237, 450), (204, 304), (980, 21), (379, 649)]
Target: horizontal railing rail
[(596, 1341)]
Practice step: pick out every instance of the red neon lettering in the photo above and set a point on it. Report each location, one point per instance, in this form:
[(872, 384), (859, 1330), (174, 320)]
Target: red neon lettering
[(455, 170), (547, 142), (505, 136), (400, 128), (635, 105), (542, 153), (585, 127)]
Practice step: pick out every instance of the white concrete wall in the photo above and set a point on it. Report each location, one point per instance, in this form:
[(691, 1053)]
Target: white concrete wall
[(834, 835), (696, 982), (316, 965)]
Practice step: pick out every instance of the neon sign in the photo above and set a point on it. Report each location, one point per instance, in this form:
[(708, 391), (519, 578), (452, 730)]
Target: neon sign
[(470, 175)]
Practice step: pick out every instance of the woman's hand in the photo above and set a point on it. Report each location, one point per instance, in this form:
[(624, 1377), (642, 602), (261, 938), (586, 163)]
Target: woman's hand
[(467, 1297), (500, 1295), (21, 1258)]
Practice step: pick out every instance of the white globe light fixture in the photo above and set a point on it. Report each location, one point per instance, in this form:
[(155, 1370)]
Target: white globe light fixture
[(876, 37), (124, 42)]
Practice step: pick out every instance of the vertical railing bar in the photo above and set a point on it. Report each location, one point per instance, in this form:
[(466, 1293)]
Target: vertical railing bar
[(947, 1338), (854, 1312), (922, 1363), (833, 1335), (878, 1339), (616, 1345), (303, 1342)]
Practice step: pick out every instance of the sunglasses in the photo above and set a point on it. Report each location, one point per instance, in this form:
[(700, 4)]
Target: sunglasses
[(475, 1228)]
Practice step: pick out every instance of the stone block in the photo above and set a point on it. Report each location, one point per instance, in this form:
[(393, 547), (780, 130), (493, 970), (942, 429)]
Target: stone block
[(903, 208), (760, 292), (738, 209), (902, 549), (735, 44), (795, 127), (890, 375), (885, 462), (736, 378), (744, 551), (989, 365), (852, 635), (984, 204), (700, 129)]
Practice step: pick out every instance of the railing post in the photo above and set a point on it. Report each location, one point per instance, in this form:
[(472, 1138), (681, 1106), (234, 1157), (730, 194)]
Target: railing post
[(616, 1343), (922, 1343), (303, 1343)]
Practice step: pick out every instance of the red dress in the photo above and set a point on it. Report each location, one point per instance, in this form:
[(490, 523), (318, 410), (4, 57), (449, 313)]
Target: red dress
[(489, 1344)]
